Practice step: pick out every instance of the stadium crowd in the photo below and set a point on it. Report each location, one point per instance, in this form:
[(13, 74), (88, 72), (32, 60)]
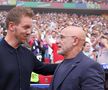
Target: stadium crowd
[(49, 24), (46, 27)]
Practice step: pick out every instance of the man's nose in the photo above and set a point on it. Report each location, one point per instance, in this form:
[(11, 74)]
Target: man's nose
[(29, 31)]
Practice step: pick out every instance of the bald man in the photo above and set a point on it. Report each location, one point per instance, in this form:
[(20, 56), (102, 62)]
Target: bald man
[(77, 71)]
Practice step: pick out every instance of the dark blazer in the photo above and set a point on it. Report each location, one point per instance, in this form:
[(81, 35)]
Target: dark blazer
[(82, 73)]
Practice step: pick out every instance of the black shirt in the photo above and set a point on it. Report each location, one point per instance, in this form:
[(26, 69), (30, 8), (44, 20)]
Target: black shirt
[(16, 66)]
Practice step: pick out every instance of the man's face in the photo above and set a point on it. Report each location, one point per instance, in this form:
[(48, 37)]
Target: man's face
[(70, 40), (65, 44), (23, 29), (92, 39), (87, 47)]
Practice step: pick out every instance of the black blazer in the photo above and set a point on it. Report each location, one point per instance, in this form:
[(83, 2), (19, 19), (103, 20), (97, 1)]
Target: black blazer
[(82, 74)]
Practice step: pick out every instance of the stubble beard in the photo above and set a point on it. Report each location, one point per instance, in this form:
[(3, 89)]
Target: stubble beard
[(61, 52)]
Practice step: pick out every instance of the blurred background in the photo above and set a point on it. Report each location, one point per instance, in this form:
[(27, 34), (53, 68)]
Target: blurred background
[(53, 15)]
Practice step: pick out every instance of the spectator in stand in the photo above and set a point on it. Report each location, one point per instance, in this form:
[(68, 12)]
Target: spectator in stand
[(1, 33), (31, 39), (17, 62), (103, 51), (87, 51), (52, 42), (100, 44), (37, 47), (77, 71)]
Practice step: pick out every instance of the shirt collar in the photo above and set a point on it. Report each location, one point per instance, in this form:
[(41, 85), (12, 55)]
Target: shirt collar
[(7, 46)]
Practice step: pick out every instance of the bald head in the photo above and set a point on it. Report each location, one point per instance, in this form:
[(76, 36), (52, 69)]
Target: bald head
[(74, 31), (71, 41)]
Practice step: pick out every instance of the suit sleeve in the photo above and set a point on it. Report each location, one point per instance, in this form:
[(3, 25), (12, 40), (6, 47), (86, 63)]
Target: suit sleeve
[(93, 78)]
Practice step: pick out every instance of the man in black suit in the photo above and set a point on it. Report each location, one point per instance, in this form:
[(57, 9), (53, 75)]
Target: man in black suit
[(77, 71)]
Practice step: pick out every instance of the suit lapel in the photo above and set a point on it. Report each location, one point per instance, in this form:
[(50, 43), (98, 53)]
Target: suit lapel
[(70, 67)]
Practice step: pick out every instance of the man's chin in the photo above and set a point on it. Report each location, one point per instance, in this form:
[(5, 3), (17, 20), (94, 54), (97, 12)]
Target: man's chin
[(22, 42)]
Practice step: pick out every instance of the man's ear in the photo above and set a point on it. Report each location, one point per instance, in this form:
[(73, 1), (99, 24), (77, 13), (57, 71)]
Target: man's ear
[(76, 41), (11, 26)]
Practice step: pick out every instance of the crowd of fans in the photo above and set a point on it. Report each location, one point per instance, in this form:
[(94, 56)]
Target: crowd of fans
[(2, 23), (47, 23), (95, 26), (46, 27)]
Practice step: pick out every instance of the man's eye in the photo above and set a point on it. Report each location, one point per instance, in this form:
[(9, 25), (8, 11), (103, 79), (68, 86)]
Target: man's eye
[(26, 27)]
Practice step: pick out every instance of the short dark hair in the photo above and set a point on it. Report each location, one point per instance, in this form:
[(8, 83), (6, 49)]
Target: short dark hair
[(16, 13), (85, 43)]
